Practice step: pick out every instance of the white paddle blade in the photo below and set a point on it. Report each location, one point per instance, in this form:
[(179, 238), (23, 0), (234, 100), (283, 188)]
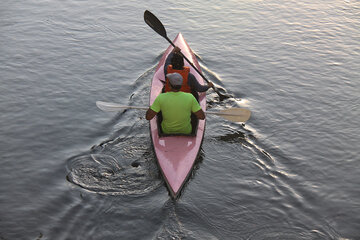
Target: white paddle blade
[(115, 107), (109, 107), (235, 114)]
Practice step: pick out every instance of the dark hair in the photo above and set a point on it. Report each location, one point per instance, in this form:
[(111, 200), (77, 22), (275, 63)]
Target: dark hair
[(177, 61)]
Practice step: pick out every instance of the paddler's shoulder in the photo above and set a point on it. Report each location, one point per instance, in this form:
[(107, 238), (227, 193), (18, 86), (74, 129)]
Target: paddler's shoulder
[(183, 94)]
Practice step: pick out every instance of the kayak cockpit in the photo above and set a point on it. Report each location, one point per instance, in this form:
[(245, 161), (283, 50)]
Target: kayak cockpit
[(194, 124)]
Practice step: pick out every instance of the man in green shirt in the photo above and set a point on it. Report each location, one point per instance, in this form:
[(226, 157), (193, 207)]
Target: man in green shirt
[(176, 108)]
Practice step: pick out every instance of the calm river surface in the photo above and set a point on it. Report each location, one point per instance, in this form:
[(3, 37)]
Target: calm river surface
[(71, 171)]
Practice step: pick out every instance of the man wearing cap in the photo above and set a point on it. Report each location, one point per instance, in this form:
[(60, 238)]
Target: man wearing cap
[(176, 108)]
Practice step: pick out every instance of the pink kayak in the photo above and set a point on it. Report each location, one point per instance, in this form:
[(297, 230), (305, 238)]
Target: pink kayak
[(176, 155)]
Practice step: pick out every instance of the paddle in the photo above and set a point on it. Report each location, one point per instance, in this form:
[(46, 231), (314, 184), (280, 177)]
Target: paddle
[(231, 114), (158, 27)]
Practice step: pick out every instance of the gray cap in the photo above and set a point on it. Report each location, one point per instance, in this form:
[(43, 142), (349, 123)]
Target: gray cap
[(175, 79)]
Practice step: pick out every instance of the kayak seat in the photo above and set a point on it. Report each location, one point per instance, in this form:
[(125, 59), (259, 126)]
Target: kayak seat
[(194, 124)]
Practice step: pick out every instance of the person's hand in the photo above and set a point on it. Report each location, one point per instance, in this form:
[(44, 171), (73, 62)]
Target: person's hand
[(210, 84), (176, 49)]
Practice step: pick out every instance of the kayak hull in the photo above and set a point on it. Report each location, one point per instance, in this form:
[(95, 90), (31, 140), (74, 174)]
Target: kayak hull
[(176, 155)]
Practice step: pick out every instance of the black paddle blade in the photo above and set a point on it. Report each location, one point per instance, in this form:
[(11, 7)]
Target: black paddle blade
[(154, 23)]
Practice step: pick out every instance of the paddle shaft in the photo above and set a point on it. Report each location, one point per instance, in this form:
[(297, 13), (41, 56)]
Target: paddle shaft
[(158, 27)]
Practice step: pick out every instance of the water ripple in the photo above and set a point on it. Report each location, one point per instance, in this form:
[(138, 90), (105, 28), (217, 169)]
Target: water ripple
[(117, 168)]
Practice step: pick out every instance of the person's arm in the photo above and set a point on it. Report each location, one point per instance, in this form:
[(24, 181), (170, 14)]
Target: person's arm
[(150, 114), (196, 86), (153, 109), (200, 114), (196, 109)]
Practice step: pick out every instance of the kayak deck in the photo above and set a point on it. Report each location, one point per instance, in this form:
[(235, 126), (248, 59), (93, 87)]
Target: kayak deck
[(176, 155)]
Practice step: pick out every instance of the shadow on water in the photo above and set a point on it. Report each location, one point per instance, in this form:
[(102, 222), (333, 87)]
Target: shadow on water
[(234, 137)]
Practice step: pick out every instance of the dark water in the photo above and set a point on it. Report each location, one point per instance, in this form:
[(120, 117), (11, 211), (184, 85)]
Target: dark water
[(71, 171)]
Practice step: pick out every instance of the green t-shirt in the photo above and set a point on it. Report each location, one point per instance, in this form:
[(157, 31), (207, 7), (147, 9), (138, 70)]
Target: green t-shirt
[(176, 108)]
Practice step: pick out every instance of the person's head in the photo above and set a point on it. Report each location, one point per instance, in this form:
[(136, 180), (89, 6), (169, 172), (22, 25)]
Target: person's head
[(177, 61), (175, 80)]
